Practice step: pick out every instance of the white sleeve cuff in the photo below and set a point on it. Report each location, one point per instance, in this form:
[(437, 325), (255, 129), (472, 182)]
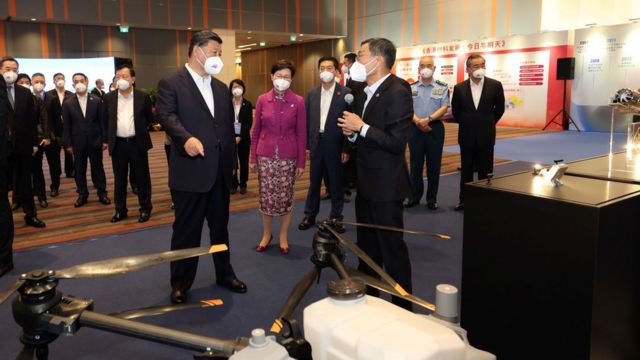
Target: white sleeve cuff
[(363, 132)]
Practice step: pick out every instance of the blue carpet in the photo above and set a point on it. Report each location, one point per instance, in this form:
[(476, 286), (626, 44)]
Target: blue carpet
[(566, 145), (270, 277)]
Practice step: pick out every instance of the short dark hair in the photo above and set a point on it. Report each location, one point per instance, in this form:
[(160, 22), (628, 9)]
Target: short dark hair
[(23, 76), (283, 64), (382, 47), (126, 66), (37, 74), (473, 57), (201, 38), (8, 58), (336, 63), (351, 56), (239, 82), (80, 74), (56, 75)]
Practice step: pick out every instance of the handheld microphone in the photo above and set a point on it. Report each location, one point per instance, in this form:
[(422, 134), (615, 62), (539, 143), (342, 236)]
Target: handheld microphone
[(349, 100)]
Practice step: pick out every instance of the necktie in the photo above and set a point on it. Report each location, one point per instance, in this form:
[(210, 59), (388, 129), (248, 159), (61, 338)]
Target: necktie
[(10, 96)]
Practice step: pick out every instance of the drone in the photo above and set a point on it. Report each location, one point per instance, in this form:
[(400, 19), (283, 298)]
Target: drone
[(44, 313)]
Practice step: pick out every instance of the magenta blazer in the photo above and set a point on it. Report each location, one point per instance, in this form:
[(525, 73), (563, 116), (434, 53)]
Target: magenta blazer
[(281, 124)]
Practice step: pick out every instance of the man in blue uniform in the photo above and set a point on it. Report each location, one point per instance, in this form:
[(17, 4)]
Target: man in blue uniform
[(430, 103)]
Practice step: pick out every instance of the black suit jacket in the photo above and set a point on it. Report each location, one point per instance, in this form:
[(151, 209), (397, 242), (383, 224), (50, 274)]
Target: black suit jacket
[(382, 168), (478, 125), (5, 141), (332, 132), (23, 118), (54, 113), (142, 118), (98, 93), (183, 113), (245, 116), (83, 131)]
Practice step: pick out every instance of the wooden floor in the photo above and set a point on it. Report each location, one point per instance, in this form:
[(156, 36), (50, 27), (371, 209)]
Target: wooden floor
[(66, 223)]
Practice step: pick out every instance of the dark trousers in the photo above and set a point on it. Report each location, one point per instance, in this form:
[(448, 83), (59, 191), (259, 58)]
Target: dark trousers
[(22, 184), (386, 248), (38, 174), (325, 163), (191, 209), (350, 170), (52, 152), (426, 147), (69, 166), (6, 217), (475, 156), (125, 154), (243, 162), (94, 155)]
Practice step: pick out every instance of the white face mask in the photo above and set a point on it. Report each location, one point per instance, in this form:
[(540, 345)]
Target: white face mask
[(281, 84), (26, 86), (345, 69), (10, 77), (237, 92), (327, 76), (80, 88), (60, 83), (38, 87), (426, 73), (212, 65), (123, 84), (359, 71), (479, 74)]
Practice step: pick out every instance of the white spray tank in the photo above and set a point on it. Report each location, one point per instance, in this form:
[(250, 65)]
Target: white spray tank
[(262, 347)]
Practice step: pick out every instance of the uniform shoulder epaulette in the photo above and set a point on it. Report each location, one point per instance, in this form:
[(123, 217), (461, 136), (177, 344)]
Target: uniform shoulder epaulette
[(441, 83)]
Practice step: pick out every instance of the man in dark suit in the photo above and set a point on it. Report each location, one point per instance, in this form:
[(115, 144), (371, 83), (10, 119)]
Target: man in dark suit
[(6, 217), (324, 105), (54, 99), (23, 119), (381, 133), (195, 109), (83, 137), (127, 120), (44, 139), (98, 90), (477, 105)]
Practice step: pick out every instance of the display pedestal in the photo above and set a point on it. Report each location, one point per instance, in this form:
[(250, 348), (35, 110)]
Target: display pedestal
[(552, 272)]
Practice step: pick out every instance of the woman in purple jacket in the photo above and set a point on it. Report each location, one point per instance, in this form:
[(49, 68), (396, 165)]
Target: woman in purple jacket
[(278, 143)]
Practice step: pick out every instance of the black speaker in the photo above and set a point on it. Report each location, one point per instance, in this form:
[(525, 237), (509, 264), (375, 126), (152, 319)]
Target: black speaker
[(565, 68)]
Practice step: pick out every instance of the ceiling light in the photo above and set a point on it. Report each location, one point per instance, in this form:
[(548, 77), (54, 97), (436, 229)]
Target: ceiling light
[(263, 43), (33, 19)]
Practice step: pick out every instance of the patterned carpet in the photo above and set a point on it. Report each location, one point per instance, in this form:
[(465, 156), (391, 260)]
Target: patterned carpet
[(66, 223)]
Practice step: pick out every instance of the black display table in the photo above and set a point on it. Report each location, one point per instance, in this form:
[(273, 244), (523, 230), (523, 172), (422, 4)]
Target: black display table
[(617, 167), (552, 273)]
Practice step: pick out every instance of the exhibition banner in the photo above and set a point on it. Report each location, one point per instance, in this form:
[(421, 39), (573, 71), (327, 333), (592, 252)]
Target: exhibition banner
[(607, 59), (526, 66)]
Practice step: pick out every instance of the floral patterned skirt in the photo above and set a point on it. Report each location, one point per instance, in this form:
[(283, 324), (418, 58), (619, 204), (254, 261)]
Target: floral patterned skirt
[(276, 178)]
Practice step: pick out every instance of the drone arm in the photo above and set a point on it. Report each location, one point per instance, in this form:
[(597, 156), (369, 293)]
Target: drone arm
[(158, 334), (294, 298), (338, 266)]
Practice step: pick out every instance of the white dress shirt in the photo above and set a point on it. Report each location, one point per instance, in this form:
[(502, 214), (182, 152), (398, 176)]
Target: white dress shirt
[(370, 91), (325, 103), (204, 85), (476, 91), (60, 95), (125, 123), (82, 99)]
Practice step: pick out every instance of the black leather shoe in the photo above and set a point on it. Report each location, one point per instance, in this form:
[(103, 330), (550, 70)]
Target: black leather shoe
[(118, 216), (410, 203), (15, 206), (34, 221), (144, 216), (172, 206), (43, 203), (178, 296), (243, 190), (306, 223), (234, 284), (104, 199), (459, 207), (81, 200), (432, 206), (6, 268), (55, 192)]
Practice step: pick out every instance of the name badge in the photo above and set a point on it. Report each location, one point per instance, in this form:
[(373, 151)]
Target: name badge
[(237, 127)]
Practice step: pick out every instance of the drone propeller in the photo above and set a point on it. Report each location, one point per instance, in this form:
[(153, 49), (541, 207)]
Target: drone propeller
[(164, 309), (393, 228), (294, 299), (378, 284), (118, 266)]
